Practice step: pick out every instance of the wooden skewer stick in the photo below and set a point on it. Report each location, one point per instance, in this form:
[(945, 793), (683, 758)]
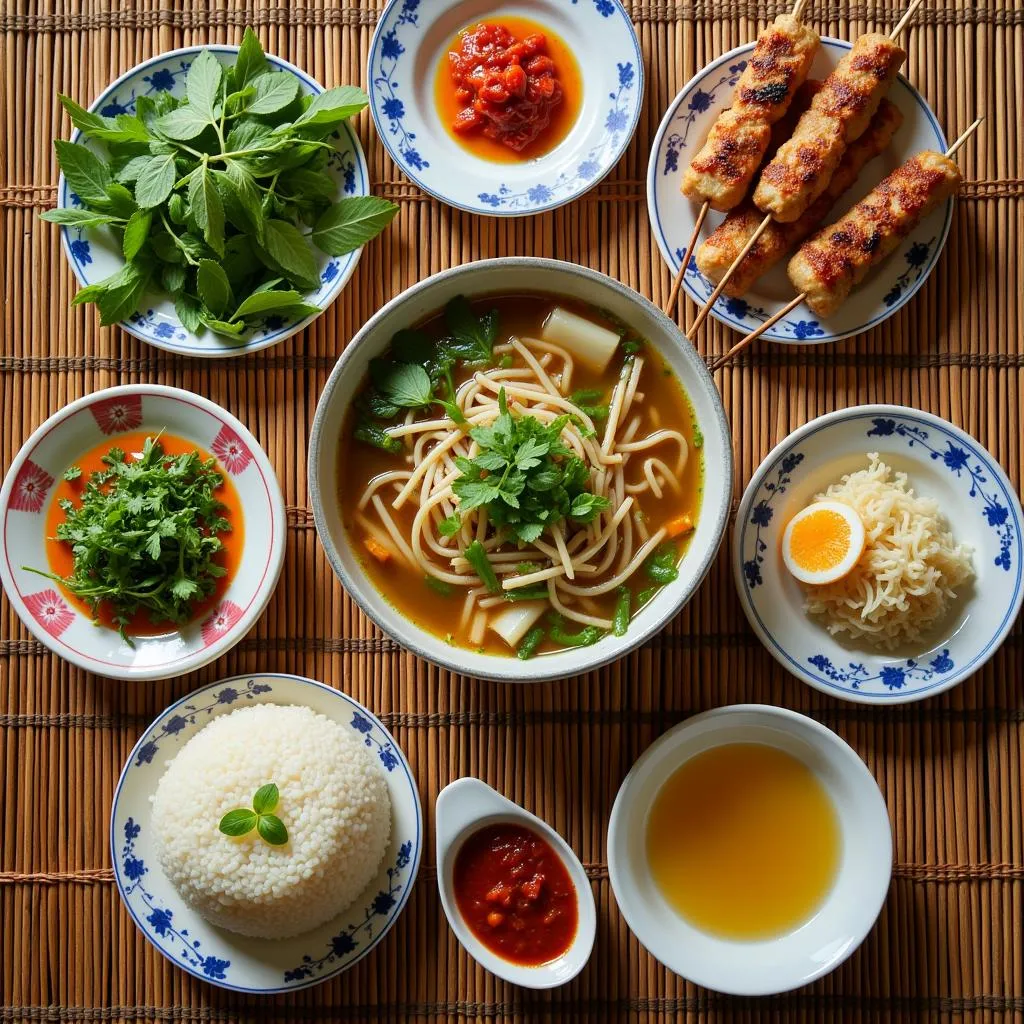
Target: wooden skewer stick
[(793, 303), (677, 283), (703, 314), (670, 304)]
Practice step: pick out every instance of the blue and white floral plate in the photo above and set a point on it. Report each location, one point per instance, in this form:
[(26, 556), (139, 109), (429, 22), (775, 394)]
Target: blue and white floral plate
[(941, 461), (94, 253), (410, 41), (682, 133), (220, 957)]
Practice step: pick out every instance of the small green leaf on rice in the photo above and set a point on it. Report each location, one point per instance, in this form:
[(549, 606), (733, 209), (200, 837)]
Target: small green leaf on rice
[(271, 829), (238, 823), (266, 798)]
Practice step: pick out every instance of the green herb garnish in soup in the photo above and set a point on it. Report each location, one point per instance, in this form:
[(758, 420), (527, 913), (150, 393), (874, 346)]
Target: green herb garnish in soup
[(144, 535), (525, 473), (220, 198)]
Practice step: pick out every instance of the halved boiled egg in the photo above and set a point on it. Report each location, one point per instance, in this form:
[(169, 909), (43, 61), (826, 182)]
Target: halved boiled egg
[(822, 543)]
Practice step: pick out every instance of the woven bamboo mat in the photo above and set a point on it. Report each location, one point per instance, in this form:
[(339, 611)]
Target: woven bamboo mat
[(949, 943)]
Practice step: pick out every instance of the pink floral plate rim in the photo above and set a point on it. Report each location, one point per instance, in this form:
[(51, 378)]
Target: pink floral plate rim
[(26, 487)]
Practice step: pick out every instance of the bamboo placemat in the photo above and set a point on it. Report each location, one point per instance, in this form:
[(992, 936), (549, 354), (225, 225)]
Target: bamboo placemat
[(949, 943)]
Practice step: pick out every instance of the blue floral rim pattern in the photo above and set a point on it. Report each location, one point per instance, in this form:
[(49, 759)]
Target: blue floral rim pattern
[(985, 486), (163, 330), (738, 313), (386, 72), (157, 920)]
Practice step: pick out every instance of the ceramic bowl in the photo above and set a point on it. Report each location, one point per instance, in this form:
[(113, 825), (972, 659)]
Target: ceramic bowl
[(26, 498), (837, 928), (891, 286), (524, 274), (227, 960), (467, 805), (411, 40), (980, 507), (95, 253)]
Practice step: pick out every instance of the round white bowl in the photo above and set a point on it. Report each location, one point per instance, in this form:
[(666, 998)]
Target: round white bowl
[(834, 931), (95, 253), (941, 461), (25, 498), (224, 959), (467, 805), (527, 274), (410, 41), (891, 286)]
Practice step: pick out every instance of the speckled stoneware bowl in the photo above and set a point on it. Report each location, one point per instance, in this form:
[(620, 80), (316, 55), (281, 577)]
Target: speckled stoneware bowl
[(511, 275)]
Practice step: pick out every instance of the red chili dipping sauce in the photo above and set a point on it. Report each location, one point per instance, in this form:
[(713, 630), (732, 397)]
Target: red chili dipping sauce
[(507, 85), (515, 894)]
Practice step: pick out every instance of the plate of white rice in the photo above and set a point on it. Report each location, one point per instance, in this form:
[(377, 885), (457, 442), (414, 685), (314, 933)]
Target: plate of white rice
[(237, 910), (940, 582)]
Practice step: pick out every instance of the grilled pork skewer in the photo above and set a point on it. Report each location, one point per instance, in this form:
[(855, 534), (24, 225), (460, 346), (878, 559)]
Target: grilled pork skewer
[(721, 248)]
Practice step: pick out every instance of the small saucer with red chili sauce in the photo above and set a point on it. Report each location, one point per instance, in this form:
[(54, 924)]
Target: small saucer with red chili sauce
[(510, 110), (514, 892)]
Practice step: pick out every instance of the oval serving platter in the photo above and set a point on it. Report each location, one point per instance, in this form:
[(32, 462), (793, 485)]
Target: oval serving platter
[(60, 623), (410, 41), (681, 134), (981, 510), (94, 253), (224, 959)]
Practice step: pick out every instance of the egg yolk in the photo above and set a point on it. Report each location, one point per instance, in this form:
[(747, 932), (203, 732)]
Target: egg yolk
[(820, 541)]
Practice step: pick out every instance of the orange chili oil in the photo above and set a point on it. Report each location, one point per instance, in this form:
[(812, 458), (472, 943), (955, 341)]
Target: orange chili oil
[(61, 557), (508, 90), (515, 894)]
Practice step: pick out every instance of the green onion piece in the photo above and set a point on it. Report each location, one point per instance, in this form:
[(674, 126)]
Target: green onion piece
[(620, 619), (477, 557), (536, 593), (661, 566), (645, 595), (439, 586), (529, 644), (584, 638)]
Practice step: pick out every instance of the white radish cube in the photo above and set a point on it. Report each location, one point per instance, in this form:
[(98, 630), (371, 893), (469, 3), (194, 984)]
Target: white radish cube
[(588, 342)]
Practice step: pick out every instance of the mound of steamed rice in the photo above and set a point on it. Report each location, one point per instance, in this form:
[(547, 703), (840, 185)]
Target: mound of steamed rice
[(907, 577), (334, 802)]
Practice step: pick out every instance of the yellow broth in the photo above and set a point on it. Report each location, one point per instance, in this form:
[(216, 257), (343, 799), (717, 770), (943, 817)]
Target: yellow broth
[(520, 315)]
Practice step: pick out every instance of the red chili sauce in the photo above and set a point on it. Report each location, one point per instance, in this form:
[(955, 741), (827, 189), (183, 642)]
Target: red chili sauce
[(507, 88), (515, 894)]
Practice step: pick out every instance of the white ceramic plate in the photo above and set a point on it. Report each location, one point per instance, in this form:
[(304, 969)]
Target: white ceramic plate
[(221, 957), (26, 496), (411, 39), (836, 929), (682, 133), (95, 253), (513, 275), (941, 461)]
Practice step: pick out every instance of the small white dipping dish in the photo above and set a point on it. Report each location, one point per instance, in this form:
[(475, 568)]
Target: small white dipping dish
[(820, 944), (462, 808)]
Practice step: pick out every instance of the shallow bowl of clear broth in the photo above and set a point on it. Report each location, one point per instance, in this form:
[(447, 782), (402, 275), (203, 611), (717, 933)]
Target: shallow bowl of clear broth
[(749, 849), (404, 529)]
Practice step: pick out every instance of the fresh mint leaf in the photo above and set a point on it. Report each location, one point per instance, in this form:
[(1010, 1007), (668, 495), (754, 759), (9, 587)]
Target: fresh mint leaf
[(261, 303), (155, 180), (120, 201), (124, 128), (129, 171), (585, 507), (238, 823), (472, 336), (266, 798), (182, 124), (87, 176), (351, 222), (309, 184), (271, 829), (207, 207), (274, 91), (202, 84), (136, 232), (251, 61), (189, 313), (214, 288), (229, 328), (78, 217), (333, 106), (288, 249), (173, 278), (407, 385)]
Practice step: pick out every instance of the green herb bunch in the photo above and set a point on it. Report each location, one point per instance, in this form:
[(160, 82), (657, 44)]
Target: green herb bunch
[(269, 827), (219, 197), (145, 535), (418, 372)]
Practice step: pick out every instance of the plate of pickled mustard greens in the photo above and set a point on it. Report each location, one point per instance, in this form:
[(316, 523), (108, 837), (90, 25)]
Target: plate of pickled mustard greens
[(215, 199)]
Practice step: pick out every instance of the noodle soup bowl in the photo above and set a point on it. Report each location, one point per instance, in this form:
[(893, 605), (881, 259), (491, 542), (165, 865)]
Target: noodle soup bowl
[(980, 510), (509, 277)]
